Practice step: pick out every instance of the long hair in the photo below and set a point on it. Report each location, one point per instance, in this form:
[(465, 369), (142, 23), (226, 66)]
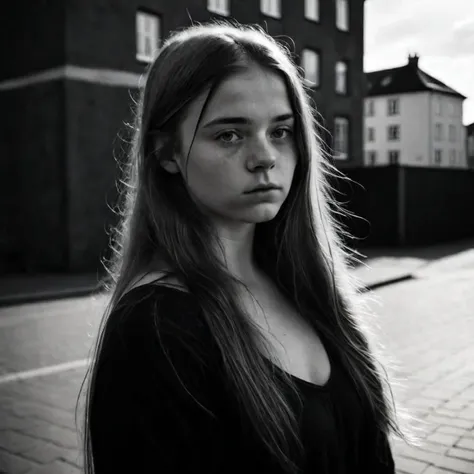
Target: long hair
[(301, 249)]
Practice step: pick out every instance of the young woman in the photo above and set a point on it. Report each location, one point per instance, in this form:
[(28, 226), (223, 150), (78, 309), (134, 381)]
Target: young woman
[(234, 339)]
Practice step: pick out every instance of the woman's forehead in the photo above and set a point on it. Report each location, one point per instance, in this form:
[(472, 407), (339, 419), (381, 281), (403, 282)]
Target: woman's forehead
[(255, 93)]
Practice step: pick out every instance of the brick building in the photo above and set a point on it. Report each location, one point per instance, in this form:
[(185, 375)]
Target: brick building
[(67, 90)]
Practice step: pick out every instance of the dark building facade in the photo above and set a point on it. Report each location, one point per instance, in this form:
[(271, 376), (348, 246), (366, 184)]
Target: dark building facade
[(67, 90), (470, 145)]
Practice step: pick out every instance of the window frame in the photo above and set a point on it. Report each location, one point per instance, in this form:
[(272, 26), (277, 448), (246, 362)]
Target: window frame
[(313, 84), (370, 108), (452, 156), (371, 157), (439, 136), (316, 8), (438, 151), (392, 153), (220, 7), (343, 15), (370, 134), (141, 35), (266, 7), (396, 136), (346, 77), (392, 111), (338, 154)]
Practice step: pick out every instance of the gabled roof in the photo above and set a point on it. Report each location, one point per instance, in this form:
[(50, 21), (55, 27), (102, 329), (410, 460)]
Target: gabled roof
[(404, 79)]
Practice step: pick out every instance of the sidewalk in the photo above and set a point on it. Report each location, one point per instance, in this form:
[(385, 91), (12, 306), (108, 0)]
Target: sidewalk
[(380, 267)]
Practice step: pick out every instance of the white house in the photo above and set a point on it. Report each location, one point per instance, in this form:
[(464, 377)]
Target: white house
[(412, 119)]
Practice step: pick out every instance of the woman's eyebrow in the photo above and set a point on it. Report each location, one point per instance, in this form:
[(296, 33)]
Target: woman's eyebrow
[(244, 120)]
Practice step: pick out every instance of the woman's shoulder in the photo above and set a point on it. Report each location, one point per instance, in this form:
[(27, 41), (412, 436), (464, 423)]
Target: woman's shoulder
[(158, 279), (156, 307)]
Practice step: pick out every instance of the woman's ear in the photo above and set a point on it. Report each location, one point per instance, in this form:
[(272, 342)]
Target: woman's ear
[(169, 164)]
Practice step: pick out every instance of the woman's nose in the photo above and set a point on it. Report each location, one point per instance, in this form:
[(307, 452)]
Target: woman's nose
[(262, 155)]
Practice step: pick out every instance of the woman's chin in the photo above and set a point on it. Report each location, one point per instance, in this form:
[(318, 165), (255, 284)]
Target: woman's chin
[(263, 213)]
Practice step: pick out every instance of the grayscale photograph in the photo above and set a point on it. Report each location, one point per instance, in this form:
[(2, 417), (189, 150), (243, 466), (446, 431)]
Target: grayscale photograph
[(297, 299)]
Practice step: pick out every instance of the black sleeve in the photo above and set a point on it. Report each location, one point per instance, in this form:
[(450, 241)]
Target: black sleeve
[(378, 452), (142, 419)]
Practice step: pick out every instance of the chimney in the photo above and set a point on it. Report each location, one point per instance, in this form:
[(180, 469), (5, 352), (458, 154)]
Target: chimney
[(413, 60)]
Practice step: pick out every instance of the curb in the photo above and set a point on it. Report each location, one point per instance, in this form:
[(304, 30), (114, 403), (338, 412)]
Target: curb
[(13, 300), (48, 295), (391, 281)]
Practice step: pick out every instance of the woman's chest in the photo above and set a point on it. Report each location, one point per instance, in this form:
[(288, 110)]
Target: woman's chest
[(290, 338)]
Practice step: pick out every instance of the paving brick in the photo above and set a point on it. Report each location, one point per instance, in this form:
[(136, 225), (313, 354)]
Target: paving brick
[(446, 412), (14, 423), (444, 420), (410, 466), (426, 403), (13, 464), (443, 438), (44, 452), (466, 442), (467, 413), (436, 470), (16, 443), (57, 467), (55, 434), (452, 430), (456, 405), (456, 465), (466, 454), (72, 456)]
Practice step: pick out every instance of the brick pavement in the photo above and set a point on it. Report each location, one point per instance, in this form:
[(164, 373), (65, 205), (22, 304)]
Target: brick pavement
[(428, 324)]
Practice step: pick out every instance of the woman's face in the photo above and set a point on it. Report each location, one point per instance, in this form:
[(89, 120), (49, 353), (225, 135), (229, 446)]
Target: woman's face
[(245, 139)]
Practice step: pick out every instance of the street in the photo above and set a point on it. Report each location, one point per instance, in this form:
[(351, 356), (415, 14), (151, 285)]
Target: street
[(426, 324)]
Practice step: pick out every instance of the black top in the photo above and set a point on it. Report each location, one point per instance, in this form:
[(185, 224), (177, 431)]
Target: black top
[(138, 392)]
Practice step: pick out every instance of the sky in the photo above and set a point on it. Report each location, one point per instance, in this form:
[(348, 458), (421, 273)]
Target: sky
[(441, 32)]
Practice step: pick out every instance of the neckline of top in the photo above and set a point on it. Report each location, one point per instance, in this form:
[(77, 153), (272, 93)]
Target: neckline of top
[(323, 387)]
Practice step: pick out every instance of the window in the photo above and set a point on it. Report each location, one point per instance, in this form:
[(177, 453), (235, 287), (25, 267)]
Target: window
[(311, 66), (438, 105), (452, 157), (371, 134), (342, 15), (341, 138), (451, 109), (452, 133), (438, 131), (311, 10), (341, 77), (369, 108), (438, 157), (393, 106), (371, 158), (147, 35), (271, 8), (221, 7), (393, 132), (393, 157)]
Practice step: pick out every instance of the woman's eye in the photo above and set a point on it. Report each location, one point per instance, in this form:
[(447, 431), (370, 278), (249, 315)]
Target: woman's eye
[(224, 137), (286, 132)]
